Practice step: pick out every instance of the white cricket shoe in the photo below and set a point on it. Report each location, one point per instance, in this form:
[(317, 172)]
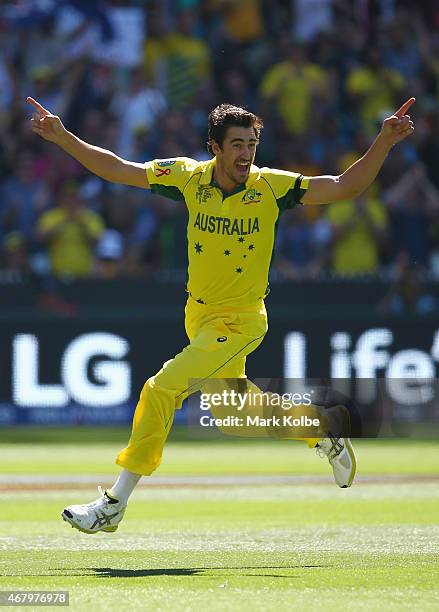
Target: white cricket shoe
[(104, 514), (342, 458)]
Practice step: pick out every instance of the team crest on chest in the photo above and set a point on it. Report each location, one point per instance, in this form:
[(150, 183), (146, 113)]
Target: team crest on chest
[(251, 196), (204, 193)]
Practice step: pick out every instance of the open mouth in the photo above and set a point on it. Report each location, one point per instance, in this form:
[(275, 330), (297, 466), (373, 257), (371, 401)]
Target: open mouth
[(242, 167)]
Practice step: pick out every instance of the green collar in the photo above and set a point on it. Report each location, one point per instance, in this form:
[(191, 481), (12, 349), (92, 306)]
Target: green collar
[(227, 194), (207, 178)]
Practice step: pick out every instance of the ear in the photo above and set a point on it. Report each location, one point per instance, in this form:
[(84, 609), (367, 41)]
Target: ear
[(215, 147)]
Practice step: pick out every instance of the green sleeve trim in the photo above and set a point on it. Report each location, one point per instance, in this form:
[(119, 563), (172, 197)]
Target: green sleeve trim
[(292, 197), (289, 199), (168, 191)]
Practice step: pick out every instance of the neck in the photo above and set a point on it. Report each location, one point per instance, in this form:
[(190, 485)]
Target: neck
[(225, 183)]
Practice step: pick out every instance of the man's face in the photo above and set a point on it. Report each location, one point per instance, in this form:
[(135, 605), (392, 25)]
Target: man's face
[(237, 153)]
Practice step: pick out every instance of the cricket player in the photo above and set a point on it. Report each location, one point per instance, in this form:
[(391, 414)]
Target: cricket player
[(234, 208)]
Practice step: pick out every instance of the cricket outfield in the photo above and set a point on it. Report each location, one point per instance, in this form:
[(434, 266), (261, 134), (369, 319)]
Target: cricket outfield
[(235, 525)]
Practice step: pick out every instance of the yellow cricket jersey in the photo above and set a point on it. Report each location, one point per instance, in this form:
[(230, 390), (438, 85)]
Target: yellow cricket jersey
[(230, 236)]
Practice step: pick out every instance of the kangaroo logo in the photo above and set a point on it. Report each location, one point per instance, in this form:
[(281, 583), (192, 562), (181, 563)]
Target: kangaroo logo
[(251, 196)]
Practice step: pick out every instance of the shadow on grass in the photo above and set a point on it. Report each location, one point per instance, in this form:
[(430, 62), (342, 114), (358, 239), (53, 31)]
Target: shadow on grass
[(109, 572)]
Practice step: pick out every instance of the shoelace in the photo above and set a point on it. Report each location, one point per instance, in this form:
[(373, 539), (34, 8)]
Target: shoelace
[(333, 452), (101, 500), (320, 452)]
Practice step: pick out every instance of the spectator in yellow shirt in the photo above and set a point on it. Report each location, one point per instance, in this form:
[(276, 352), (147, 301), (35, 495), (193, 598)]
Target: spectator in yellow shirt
[(70, 232), (375, 88), (358, 234), (181, 59), (243, 20), (295, 86)]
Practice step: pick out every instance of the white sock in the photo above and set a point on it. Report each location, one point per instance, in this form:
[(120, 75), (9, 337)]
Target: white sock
[(124, 485)]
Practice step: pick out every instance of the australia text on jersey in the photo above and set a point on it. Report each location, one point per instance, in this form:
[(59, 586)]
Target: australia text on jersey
[(225, 225)]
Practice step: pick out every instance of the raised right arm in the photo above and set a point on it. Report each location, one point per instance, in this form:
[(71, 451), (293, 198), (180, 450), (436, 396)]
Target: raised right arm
[(101, 162)]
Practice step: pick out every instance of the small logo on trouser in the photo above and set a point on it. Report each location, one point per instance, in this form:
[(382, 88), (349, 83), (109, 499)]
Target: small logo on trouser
[(221, 339)]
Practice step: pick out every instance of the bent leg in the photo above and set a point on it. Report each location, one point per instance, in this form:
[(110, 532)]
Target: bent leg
[(205, 357), (260, 416)]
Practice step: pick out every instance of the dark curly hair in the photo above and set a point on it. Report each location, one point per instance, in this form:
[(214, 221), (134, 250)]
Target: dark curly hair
[(228, 115)]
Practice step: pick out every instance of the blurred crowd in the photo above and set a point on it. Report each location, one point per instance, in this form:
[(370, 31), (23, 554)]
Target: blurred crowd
[(140, 77)]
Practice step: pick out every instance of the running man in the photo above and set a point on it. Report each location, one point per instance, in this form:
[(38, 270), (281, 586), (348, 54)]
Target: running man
[(233, 210)]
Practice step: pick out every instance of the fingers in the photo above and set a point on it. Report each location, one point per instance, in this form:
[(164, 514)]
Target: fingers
[(405, 130), (37, 121), (36, 127), (393, 121), (399, 124), (403, 123), (38, 106), (41, 125), (404, 108), (398, 128)]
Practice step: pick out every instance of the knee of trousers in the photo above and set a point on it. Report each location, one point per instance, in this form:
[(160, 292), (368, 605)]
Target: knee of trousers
[(157, 402), (162, 387)]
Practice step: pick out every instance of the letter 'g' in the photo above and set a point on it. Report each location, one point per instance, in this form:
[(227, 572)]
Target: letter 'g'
[(205, 401)]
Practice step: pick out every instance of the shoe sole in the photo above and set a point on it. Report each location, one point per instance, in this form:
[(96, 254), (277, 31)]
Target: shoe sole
[(351, 454), (79, 528)]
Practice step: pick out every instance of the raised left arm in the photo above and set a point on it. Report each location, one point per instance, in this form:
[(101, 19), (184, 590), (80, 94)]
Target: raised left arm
[(358, 177)]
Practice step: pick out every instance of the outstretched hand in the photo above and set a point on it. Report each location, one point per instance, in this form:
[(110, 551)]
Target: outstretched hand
[(399, 125), (45, 124)]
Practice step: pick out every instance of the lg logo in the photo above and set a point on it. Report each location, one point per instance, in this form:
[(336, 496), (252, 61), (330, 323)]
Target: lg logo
[(111, 373)]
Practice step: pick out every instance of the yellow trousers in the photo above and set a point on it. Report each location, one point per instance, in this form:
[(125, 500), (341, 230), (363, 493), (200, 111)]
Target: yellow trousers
[(220, 340)]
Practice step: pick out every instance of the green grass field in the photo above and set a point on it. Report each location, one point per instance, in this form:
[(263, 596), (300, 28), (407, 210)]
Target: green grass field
[(195, 540)]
